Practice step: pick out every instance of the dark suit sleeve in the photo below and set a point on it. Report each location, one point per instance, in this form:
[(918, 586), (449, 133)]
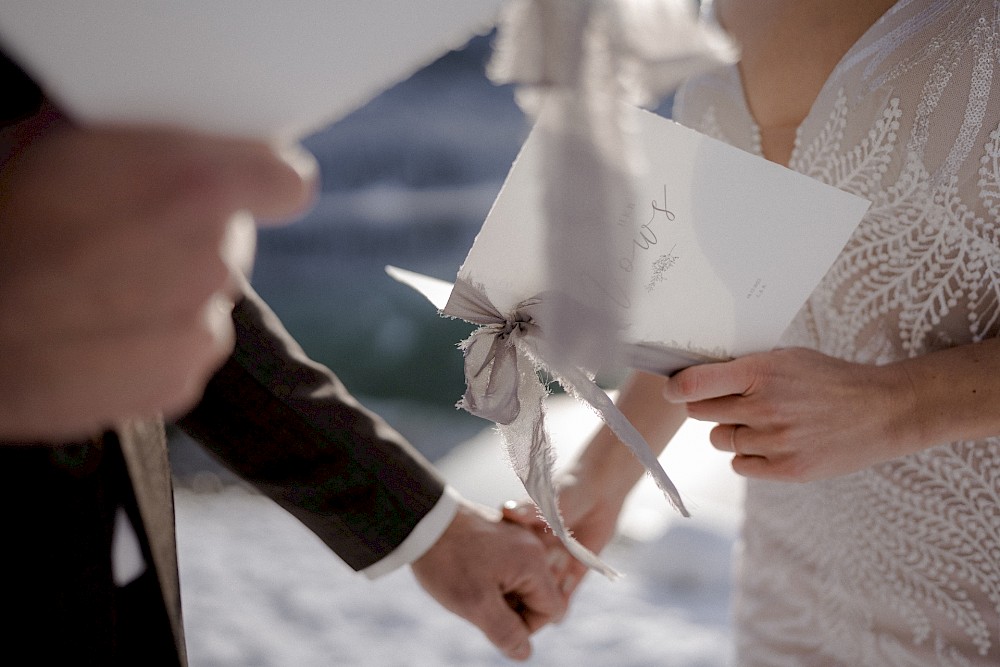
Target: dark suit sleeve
[(22, 97), (287, 425)]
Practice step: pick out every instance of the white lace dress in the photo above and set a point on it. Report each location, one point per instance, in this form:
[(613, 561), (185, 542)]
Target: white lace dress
[(899, 564)]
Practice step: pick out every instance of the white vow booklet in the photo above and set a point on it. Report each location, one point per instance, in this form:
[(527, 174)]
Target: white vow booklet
[(726, 246), (255, 68)]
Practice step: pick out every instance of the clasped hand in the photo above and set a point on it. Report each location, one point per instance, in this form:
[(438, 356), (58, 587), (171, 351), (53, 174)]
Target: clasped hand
[(494, 574)]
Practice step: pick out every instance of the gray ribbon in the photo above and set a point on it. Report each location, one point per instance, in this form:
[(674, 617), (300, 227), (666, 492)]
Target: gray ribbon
[(502, 361)]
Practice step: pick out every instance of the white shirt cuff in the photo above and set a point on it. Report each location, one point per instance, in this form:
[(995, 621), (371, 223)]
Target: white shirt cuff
[(423, 536)]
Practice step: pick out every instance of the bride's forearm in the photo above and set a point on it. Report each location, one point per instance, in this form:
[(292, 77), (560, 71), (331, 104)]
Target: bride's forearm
[(954, 395), (606, 465)]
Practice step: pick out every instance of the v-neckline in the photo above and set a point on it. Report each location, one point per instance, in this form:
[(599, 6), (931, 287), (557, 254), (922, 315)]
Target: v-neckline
[(754, 126)]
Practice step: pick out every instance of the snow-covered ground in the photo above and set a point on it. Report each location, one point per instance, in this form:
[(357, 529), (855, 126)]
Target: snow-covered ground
[(260, 590)]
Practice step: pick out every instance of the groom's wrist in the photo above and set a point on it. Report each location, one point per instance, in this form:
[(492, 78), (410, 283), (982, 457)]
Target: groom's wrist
[(423, 536)]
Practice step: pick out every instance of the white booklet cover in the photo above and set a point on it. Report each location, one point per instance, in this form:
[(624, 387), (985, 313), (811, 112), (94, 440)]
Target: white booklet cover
[(726, 246), (254, 68)]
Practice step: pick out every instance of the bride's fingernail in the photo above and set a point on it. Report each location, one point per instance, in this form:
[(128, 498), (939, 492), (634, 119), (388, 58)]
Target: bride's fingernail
[(568, 584)]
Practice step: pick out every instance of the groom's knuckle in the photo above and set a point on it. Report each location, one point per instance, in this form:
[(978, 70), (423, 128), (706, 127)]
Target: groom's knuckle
[(475, 598), (472, 601)]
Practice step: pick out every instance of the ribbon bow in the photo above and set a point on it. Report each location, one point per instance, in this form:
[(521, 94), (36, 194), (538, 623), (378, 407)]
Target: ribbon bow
[(502, 361)]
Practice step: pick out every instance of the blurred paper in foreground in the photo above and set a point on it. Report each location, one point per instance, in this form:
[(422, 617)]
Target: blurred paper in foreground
[(724, 248), (254, 68)]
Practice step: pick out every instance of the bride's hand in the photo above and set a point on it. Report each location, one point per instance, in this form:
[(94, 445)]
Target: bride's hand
[(589, 516), (796, 414)]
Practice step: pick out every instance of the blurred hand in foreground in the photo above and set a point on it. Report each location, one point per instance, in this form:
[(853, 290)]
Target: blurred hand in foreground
[(495, 575), (119, 255)]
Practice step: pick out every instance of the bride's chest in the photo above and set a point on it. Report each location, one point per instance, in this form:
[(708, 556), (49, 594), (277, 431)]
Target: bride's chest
[(788, 49)]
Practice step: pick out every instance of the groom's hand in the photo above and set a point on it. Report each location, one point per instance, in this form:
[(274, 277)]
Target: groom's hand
[(494, 574)]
